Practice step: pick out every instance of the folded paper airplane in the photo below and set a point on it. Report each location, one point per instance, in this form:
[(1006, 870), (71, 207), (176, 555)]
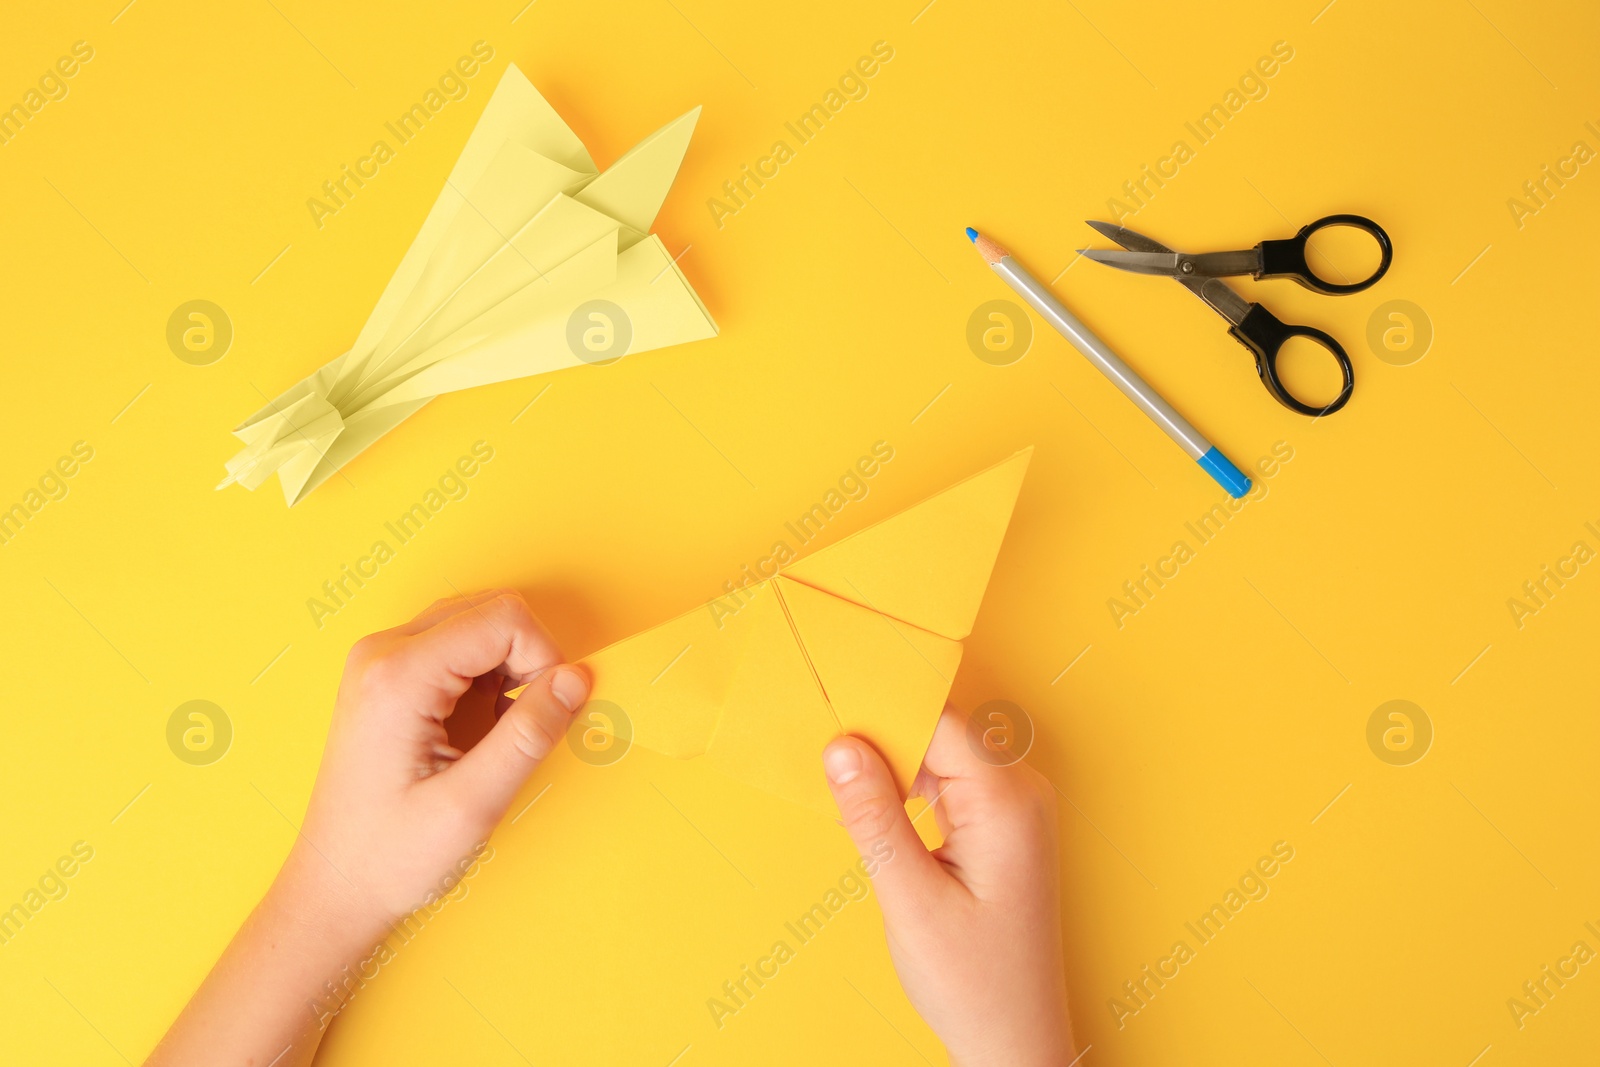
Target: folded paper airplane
[(862, 637), (503, 281)]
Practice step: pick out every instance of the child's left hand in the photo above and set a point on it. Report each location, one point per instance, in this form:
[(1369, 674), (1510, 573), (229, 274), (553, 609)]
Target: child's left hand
[(396, 808), (395, 812)]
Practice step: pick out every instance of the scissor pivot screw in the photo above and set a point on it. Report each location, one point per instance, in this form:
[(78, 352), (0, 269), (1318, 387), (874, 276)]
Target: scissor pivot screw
[(1186, 267)]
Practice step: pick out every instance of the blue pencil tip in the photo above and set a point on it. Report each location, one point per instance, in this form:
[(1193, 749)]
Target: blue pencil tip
[(972, 235)]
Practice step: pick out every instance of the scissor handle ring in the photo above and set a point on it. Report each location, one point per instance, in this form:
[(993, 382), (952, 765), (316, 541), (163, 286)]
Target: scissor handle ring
[(1264, 334), (1287, 259)]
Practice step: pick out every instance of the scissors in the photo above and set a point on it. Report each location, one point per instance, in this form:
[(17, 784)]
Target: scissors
[(1252, 325)]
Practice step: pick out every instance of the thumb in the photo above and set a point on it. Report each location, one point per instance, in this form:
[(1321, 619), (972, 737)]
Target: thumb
[(875, 817), (489, 775)]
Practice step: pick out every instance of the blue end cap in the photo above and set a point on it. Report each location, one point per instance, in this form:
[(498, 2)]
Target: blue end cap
[(972, 235), (1225, 473)]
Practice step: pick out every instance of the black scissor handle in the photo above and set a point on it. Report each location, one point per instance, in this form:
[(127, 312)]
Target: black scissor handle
[(1264, 334), (1287, 259)]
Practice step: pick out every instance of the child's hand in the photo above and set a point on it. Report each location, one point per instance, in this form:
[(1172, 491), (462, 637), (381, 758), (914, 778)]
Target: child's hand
[(394, 819), (974, 927), (396, 809)]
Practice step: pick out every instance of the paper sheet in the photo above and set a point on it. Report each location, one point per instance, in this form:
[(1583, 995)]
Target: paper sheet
[(525, 231), (861, 637)]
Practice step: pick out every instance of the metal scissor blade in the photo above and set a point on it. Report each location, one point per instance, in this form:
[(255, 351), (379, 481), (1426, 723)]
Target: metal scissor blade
[(1162, 263), (1134, 242), (1216, 294)]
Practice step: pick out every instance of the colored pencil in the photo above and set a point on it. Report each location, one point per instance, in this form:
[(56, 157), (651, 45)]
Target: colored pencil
[(1135, 388)]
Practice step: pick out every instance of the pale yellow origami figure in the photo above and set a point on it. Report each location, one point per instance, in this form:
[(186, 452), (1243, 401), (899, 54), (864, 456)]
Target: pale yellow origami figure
[(861, 637), (525, 236)]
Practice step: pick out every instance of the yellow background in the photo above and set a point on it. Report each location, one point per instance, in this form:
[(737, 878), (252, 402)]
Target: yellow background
[(1223, 717)]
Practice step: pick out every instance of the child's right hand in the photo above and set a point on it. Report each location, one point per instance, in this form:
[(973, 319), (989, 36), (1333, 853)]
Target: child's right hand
[(974, 927)]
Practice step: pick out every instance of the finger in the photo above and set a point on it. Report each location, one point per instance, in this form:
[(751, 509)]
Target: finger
[(496, 635), (502, 702), (948, 766), (972, 790), (489, 775), (445, 607), (949, 754), (931, 788), (874, 815)]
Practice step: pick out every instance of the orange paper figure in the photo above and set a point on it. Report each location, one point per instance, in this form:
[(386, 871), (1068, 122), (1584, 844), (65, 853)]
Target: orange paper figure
[(862, 637)]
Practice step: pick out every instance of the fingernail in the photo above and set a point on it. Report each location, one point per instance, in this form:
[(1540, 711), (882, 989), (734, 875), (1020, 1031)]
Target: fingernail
[(842, 763), (570, 687)]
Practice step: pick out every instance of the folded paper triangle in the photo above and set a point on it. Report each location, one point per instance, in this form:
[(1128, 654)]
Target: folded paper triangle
[(861, 637), (775, 713), (929, 564), (880, 676), (524, 240)]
